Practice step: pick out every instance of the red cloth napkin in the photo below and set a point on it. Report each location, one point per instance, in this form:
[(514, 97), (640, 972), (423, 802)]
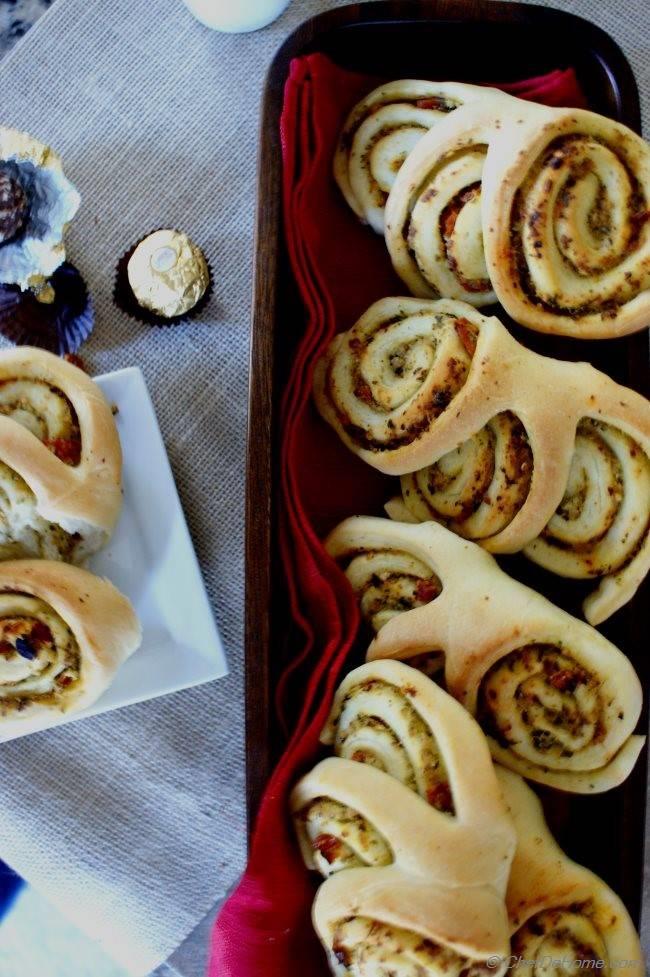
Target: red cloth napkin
[(264, 930)]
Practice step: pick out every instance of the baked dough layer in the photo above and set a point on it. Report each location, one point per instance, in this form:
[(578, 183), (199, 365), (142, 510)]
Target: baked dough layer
[(558, 702), (63, 634), (60, 459), (417, 383)]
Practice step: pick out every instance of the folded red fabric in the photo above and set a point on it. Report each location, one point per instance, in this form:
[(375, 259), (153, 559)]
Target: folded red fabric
[(341, 267)]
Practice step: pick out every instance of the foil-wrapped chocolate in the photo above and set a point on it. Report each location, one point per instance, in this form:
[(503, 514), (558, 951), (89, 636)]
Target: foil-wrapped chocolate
[(58, 316), (36, 204), (168, 274), (14, 206)]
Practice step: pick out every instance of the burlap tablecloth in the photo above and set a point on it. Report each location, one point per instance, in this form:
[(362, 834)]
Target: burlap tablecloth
[(133, 822)]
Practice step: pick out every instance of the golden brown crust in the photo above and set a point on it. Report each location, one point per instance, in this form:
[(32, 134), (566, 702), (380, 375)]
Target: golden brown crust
[(86, 496), (559, 701), (101, 619), (558, 908)]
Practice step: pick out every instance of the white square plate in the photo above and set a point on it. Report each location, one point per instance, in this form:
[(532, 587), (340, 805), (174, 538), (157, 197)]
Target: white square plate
[(151, 559)]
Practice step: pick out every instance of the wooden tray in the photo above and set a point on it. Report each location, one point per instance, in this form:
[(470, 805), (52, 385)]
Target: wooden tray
[(450, 40)]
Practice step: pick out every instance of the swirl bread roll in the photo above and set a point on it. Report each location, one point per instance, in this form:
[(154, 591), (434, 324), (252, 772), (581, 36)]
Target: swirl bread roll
[(63, 634), (559, 910), (60, 459), (380, 132), (599, 530), (400, 736), (558, 702), (418, 383), (475, 490), (566, 201), (601, 527), (434, 217), (423, 893)]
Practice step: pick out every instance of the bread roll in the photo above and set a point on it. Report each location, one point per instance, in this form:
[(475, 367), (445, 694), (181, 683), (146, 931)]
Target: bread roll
[(566, 197), (63, 634), (543, 209), (60, 459), (380, 132), (412, 882), (434, 215), (505, 446), (558, 702), (559, 910)]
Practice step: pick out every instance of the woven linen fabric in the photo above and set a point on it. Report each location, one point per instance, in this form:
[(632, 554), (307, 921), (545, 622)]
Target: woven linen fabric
[(133, 822)]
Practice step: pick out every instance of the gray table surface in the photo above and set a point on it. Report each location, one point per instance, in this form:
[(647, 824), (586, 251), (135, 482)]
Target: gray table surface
[(61, 951)]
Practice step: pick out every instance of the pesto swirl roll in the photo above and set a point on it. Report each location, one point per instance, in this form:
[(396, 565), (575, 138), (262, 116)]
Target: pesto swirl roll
[(564, 919), (599, 531), (377, 721), (558, 702), (408, 883), (39, 657), (434, 214), (552, 708), (390, 582), (555, 935), (602, 524), (337, 837), (504, 446), (60, 459), (63, 635), (401, 366), (380, 132), (46, 411), (566, 199), (475, 490), (364, 947), (440, 249)]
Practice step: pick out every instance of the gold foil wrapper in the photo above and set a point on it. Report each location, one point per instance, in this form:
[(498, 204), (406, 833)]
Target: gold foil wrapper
[(168, 273)]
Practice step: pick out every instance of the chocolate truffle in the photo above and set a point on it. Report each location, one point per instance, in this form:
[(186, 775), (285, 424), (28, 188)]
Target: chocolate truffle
[(168, 273), (13, 206)]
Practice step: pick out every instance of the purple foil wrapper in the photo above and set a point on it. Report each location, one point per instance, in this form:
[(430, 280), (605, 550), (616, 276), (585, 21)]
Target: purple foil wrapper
[(61, 326)]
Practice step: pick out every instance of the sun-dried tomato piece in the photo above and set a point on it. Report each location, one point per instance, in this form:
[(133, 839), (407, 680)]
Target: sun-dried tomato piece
[(328, 846), (468, 335), (65, 449), (439, 796), (426, 590)]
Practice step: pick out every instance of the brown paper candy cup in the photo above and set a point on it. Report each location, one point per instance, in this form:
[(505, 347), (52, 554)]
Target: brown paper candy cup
[(125, 300)]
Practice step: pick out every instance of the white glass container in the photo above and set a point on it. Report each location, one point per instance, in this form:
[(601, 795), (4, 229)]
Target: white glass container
[(236, 16)]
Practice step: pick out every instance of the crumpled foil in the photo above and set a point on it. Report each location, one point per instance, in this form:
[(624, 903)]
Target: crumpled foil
[(37, 250)]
